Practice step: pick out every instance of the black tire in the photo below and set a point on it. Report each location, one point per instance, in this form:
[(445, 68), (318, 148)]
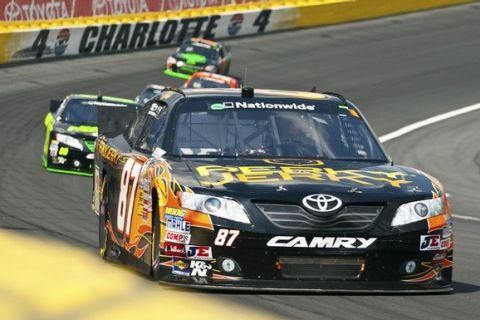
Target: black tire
[(103, 240), (155, 263)]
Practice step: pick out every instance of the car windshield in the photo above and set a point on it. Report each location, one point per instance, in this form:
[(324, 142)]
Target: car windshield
[(149, 93), (199, 48), (273, 127), (84, 111), (198, 83)]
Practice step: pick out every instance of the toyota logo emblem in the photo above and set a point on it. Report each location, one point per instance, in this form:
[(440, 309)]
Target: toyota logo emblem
[(322, 202)]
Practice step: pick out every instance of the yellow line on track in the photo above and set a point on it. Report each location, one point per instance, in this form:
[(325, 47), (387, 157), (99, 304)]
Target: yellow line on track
[(45, 279)]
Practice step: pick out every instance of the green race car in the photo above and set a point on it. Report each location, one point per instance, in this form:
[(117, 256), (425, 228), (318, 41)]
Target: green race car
[(71, 129), (196, 55)]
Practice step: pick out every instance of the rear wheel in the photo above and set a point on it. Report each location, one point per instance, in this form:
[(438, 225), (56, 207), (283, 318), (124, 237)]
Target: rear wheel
[(103, 223)]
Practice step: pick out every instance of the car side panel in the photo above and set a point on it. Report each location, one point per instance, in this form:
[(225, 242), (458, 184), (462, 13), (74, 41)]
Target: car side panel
[(130, 222), (49, 122)]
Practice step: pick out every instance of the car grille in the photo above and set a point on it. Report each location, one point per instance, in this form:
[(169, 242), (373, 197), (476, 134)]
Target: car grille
[(294, 217), (321, 268), (90, 145)]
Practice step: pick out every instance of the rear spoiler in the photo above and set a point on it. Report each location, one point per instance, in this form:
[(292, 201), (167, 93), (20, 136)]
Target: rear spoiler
[(115, 120)]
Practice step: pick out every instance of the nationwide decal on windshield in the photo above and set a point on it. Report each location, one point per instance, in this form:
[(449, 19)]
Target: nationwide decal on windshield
[(262, 105), (104, 103), (219, 175)]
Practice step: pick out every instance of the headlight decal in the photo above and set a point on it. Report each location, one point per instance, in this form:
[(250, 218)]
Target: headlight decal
[(70, 141), (437, 222), (211, 68), (171, 61), (224, 207), (419, 210)]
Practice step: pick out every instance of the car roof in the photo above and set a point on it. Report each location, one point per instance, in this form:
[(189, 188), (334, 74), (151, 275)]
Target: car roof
[(258, 93), (155, 86), (210, 43), (104, 98), (209, 75)]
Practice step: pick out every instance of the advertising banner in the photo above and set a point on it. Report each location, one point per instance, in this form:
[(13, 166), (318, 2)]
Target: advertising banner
[(29, 10), (96, 39)]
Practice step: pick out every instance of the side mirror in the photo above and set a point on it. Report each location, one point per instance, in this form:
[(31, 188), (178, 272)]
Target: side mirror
[(228, 48), (55, 105)]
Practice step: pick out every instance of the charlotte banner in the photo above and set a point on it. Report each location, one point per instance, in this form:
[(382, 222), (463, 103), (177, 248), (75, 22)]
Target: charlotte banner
[(84, 40)]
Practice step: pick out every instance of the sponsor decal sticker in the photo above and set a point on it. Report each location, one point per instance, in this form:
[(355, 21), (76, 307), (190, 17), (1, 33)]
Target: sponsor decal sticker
[(53, 148), (155, 110), (108, 152), (219, 175), (433, 242), (181, 267), (174, 249), (235, 24), (62, 42), (177, 237), (199, 252), (104, 103), (440, 256), (176, 223), (199, 268), (261, 105), (444, 244), (175, 211), (216, 106), (321, 242), (447, 231)]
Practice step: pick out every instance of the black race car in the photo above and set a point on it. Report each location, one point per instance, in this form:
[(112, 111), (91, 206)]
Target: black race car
[(149, 92), (198, 54), (71, 130), (269, 190)]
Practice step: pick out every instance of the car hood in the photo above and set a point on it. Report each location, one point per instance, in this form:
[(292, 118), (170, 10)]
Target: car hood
[(281, 179), (77, 131), (191, 58)]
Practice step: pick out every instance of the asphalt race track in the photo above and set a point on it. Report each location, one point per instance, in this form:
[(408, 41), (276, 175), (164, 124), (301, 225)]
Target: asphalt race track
[(398, 70)]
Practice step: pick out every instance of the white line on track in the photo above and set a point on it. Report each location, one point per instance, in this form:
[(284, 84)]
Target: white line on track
[(420, 124), (423, 123), (456, 216)]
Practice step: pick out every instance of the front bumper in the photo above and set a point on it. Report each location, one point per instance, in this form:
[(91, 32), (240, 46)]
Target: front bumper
[(380, 268), (176, 74), (74, 162)]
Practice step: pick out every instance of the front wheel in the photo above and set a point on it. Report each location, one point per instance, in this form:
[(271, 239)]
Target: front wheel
[(155, 261), (102, 235)]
